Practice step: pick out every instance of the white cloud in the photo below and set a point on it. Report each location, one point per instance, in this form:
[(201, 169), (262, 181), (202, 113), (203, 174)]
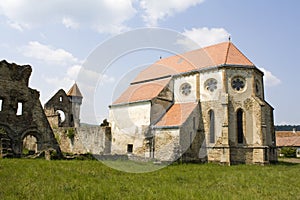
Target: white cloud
[(48, 54), (160, 9), (70, 23), (104, 16), (270, 79), (203, 37)]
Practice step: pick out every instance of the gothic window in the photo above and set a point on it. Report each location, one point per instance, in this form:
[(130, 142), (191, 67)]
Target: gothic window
[(238, 83), (211, 126), (240, 132), (211, 84), (185, 89)]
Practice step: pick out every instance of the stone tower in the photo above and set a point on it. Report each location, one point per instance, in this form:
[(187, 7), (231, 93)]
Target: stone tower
[(75, 97)]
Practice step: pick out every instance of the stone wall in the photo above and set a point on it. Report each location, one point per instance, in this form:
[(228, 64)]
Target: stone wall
[(95, 140), (21, 113)]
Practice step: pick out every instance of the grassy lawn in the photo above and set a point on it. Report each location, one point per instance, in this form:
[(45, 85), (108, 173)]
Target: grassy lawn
[(41, 179)]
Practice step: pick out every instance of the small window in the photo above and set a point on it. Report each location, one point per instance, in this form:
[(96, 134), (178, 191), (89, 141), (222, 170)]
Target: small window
[(20, 108), (60, 99), (211, 84), (129, 148), (238, 84), (1, 102), (185, 89)]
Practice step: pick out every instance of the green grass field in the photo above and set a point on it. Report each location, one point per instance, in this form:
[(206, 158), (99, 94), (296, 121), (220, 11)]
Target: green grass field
[(41, 179)]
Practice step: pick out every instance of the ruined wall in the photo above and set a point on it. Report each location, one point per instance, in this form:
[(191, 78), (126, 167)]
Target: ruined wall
[(60, 102), (21, 113), (95, 140)]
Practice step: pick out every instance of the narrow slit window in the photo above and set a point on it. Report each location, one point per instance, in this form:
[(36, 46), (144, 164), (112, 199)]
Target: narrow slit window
[(211, 126), (20, 108), (240, 132), (1, 102), (60, 99)]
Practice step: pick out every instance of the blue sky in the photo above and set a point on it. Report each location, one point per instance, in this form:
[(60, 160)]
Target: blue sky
[(56, 37)]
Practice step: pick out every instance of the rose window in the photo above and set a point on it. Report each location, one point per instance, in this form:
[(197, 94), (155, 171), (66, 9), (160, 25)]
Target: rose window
[(185, 89), (238, 84), (211, 84)]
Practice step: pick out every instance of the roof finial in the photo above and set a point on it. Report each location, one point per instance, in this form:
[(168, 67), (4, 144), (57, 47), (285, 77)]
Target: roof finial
[(160, 57), (229, 38)]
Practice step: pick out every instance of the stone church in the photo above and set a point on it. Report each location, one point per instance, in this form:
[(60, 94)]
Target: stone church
[(205, 105)]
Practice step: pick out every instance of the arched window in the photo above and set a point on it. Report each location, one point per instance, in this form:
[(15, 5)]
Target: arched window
[(211, 126), (239, 120)]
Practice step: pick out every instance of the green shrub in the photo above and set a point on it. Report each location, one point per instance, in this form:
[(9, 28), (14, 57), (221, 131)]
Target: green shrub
[(289, 152), (71, 133)]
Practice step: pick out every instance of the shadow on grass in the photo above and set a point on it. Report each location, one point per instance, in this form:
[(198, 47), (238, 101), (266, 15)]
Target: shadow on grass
[(286, 163)]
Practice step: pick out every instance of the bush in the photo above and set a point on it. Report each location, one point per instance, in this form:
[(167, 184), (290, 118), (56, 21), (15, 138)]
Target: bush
[(71, 133), (289, 152)]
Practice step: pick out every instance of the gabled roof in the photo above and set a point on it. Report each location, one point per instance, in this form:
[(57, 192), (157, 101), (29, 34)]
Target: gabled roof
[(177, 115), (142, 91), (225, 53), (74, 91)]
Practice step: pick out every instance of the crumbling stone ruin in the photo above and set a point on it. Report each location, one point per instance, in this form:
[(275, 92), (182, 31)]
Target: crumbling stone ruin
[(21, 114), (63, 109)]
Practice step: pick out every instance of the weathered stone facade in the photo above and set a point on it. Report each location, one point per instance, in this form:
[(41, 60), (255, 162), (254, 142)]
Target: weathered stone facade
[(81, 140), (21, 113), (63, 109), (204, 105)]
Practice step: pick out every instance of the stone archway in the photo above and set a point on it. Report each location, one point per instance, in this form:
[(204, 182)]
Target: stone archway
[(29, 145), (30, 142)]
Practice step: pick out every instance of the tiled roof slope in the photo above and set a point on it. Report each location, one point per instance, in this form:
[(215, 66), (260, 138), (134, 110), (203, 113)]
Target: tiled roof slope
[(225, 53), (74, 91), (288, 138), (177, 114), (292, 141), (142, 91), (287, 133)]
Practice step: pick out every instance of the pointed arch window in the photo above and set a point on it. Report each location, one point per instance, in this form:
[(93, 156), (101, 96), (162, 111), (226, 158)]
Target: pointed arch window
[(240, 131), (211, 126)]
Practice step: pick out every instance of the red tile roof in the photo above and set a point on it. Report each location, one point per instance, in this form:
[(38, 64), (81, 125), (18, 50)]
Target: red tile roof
[(177, 114), (224, 53), (142, 91), (292, 141), (287, 133), (220, 54), (288, 138), (74, 91)]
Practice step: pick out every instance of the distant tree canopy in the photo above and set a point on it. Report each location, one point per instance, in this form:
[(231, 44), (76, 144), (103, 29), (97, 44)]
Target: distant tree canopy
[(287, 127)]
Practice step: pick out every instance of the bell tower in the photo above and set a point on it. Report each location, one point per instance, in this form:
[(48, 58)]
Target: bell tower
[(75, 98)]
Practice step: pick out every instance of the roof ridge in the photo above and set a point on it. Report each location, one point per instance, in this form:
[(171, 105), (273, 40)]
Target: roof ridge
[(227, 52)]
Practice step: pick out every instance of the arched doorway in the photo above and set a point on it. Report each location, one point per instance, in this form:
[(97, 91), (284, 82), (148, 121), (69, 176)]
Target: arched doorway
[(61, 117), (29, 145)]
